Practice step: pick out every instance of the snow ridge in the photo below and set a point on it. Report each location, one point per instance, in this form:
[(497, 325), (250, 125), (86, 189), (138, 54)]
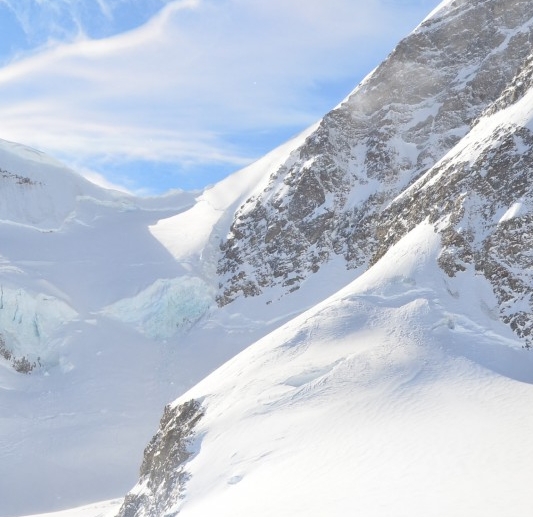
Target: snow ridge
[(405, 117)]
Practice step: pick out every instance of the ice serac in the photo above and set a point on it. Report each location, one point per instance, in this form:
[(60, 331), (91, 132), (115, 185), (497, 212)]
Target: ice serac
[(165, 307), (403, 118), (29, 327)]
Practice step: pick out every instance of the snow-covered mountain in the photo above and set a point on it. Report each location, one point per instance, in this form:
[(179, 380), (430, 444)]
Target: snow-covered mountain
[(402, 119), (403, 394), (408, 391), (107, 313), (370, 281), (69, 249)]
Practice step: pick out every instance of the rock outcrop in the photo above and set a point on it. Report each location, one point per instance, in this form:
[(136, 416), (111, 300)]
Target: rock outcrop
[(163, 473), (327, 199)]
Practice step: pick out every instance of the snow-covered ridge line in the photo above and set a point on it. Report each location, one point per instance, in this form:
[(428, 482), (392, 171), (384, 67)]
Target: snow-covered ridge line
[(367, 385), (407, 115), (28, 153)]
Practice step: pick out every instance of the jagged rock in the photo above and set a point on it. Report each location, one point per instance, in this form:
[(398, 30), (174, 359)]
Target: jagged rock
[(327, 198), (353, 188), (467, 199), (163, 473)]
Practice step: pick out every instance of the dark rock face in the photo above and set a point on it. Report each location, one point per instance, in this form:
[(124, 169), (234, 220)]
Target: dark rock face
[(163, 474), (479, 198), (467, 201), (15, 178), (519, 86), (329, 195), (19, 364)]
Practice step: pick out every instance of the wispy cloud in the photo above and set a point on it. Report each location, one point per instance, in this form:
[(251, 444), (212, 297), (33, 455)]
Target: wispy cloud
[(46, 21), (199, 78)]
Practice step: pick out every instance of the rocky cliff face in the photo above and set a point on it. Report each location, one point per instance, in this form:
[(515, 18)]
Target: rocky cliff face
[(163, 475), (327, 199), (480, 198)]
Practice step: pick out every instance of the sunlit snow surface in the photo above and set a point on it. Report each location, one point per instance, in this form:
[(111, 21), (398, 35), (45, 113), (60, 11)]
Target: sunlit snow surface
[(113, 341), (99, 386), (402, 394)]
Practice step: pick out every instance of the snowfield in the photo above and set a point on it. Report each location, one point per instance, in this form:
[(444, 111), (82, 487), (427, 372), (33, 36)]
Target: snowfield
[(108, 342), (387, 399), (105, 338), (400, 395)]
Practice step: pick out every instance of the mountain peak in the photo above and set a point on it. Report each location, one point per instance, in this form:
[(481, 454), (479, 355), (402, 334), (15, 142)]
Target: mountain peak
[(326, 199)]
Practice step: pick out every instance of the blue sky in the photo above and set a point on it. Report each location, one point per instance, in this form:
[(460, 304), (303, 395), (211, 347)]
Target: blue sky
[(151, 95)]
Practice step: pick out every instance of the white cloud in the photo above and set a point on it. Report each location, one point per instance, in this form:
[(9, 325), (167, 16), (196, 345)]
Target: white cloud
[(188, 84)]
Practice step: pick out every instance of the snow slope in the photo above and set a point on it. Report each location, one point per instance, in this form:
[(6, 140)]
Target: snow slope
[(400, 395), (193, 233), (40, 191), (111, 323), (73, 259)]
